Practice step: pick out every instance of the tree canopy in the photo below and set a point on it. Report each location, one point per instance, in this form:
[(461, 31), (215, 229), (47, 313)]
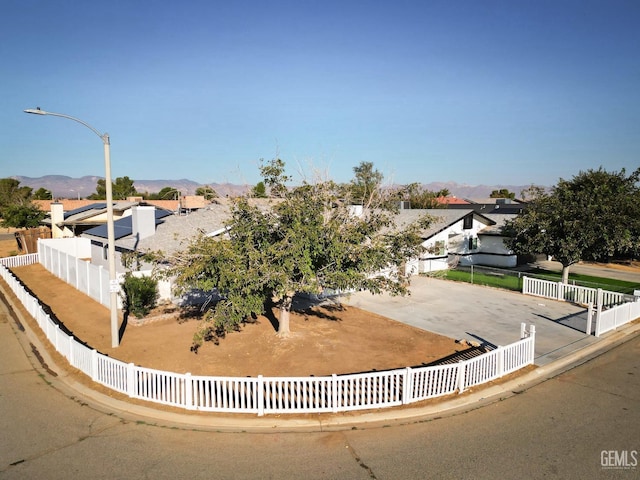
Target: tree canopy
[(594, 216), (366, 183), (121, 189), (11, 193), (42, 194), (165, 193), (207, 192), (307, 242), (419, 197), (16, 208), (502, 193), (22, 216)]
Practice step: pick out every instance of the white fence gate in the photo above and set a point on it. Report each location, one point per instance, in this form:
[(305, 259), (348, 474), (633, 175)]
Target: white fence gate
[(610, 309)]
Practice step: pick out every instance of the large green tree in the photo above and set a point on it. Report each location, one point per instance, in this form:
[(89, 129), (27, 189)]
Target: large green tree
[(16, 208), (22, 216), (306, 242), (594, 216), (120, 189), (11, 193)]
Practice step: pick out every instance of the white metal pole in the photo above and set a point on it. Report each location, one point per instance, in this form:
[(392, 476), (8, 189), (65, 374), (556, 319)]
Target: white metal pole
[(113, 283)]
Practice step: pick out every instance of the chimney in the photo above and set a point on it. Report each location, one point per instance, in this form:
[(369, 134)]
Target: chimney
[(143, 221), (57, 217)]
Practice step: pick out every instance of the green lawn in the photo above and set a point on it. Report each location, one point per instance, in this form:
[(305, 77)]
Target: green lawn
[(512, 280)]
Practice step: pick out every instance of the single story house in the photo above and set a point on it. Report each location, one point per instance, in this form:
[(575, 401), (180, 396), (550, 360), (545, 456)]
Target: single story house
[(459, 235)]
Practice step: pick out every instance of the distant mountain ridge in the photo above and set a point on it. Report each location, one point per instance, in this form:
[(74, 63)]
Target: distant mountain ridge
[(67, 187)]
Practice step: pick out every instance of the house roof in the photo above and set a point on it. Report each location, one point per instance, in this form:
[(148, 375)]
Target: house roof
[(499, 219), (67, 204), (442, 218), (176, 231), (87, 214), (451, 201), (123, 227)]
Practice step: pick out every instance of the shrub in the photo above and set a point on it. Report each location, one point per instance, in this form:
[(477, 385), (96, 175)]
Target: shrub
[(140, 294)]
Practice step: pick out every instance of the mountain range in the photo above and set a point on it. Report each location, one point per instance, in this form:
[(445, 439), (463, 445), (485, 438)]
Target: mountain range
[(67, 187)]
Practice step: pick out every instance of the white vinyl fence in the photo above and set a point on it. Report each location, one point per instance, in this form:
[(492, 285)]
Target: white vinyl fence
[(275, 395), (612, 318), (19, 260), (572, 293), (92, 280), (612, 309)]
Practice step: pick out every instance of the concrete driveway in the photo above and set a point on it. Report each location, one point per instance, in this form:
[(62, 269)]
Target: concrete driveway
[(484, 314)]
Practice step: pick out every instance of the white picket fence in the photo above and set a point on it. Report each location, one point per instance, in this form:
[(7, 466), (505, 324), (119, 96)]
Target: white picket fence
[(279, 395), (614, 317), (612, 309), (572, 293), (19, 260)]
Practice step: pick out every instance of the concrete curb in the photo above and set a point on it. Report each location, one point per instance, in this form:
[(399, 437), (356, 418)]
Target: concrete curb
[(41, 360)]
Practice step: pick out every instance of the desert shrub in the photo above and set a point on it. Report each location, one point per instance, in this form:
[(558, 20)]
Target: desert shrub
[(140, 294)]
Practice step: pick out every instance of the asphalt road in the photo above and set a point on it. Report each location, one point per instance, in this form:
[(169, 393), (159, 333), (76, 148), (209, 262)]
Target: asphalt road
[(557, 429)]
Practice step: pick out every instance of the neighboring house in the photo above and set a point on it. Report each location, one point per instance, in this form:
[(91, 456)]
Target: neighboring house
[(458, 235), (72, 223), (129, 231), (492, 205)]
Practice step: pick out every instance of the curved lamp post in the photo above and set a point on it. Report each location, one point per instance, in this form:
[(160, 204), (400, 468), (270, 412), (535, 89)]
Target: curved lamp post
[(113, 283)]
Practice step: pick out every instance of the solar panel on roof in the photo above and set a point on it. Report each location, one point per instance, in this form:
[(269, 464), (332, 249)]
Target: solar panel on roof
[(86, 208)]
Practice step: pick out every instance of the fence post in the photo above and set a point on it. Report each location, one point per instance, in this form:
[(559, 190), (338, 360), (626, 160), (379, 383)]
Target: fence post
[(560, 294), (598, 319), (100, 285), (461, 372), (56, 333), (407, 385), (532, 335), (334, 393), (500, 362), (260, 396), (94, 365), (589, 315), (599, 301), (188, 391), (523, 330), (131, 384), (71, 357)]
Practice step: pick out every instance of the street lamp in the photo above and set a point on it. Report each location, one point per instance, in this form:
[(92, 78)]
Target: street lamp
[(113, 283)]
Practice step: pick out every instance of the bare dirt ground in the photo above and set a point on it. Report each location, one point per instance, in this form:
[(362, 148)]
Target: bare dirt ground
[(8, 244), (324, 340)]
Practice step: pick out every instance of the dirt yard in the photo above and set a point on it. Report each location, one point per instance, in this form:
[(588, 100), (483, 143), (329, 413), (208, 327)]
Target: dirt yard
[(323, 341), (8, 244)]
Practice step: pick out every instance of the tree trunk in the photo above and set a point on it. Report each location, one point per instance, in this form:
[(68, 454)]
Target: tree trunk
[(285, 311), (565, 273)]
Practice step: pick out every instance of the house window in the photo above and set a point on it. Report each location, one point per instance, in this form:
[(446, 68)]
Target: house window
[(468, 222), (438, 248), (473, 243)]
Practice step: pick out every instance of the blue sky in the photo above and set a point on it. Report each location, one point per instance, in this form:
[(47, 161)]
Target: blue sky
[(477, 92)]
